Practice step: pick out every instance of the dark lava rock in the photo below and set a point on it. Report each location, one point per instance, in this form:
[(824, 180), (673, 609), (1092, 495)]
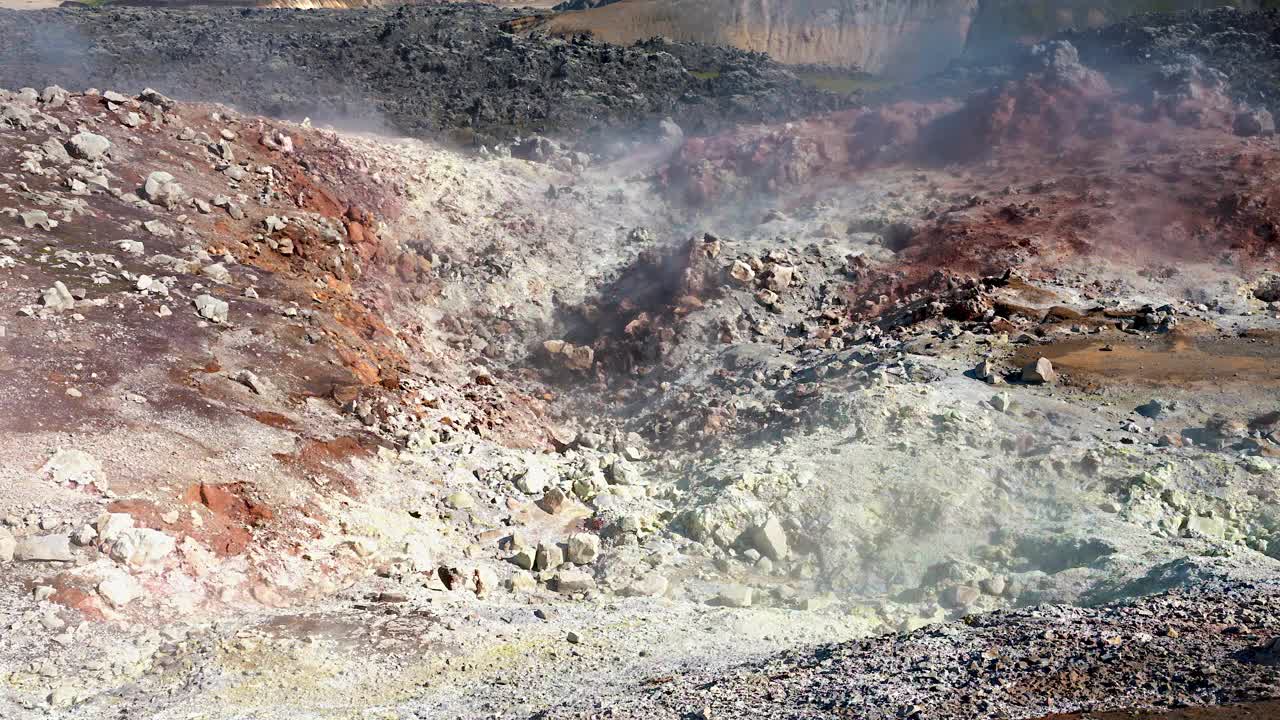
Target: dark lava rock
[(420, 70), (1244, 46)]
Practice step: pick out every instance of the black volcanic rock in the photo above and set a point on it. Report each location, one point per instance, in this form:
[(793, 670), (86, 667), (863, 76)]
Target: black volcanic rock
[(418, 70)]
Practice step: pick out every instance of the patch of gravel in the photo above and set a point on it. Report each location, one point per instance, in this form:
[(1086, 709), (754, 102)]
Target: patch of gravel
[(1201, 647)]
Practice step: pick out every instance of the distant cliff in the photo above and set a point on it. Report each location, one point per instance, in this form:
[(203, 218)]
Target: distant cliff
[(893, 36), (899, 38)]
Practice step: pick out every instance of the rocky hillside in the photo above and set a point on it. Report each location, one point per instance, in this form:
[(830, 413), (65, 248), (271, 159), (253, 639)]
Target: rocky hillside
[(841, 403), (998, 21)]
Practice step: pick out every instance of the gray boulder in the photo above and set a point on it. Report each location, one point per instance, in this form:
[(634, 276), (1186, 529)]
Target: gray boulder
[(88, 146), (44, 548)]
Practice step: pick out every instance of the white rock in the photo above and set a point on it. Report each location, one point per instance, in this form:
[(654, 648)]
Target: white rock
[(584, 548), (484, 580), (111, 525), (84, 535), (119, 590), (1212, 527), (460, 501), (549, 556), (157, 228), (535, 479), (742, 272), (521, 581), (211, 308), (156, 98), (43, 548), (279, 140), (253, 382), (217, 272), (161, 189), (88, 146), (53, 97), (650, 585), (38, 219), (58, 298), (15, 116), (62, 696), (419, 549), (55, 152), (69, 465), (140, 547), (7, 545), (571, 582), (734, 596), (622, 472), (154, 182), (1040, 371)]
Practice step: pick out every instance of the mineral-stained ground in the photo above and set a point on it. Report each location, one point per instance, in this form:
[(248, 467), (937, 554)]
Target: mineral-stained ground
[(664, 393)]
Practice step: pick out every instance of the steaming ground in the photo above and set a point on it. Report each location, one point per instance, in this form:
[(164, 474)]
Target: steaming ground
[(321, 424)]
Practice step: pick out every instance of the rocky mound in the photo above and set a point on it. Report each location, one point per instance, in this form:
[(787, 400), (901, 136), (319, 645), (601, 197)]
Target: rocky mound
[(1048, 99), (416, 69)]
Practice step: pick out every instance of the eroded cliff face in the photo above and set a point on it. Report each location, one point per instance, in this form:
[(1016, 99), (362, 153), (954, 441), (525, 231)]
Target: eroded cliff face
[(896, 38), (883, 36)]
